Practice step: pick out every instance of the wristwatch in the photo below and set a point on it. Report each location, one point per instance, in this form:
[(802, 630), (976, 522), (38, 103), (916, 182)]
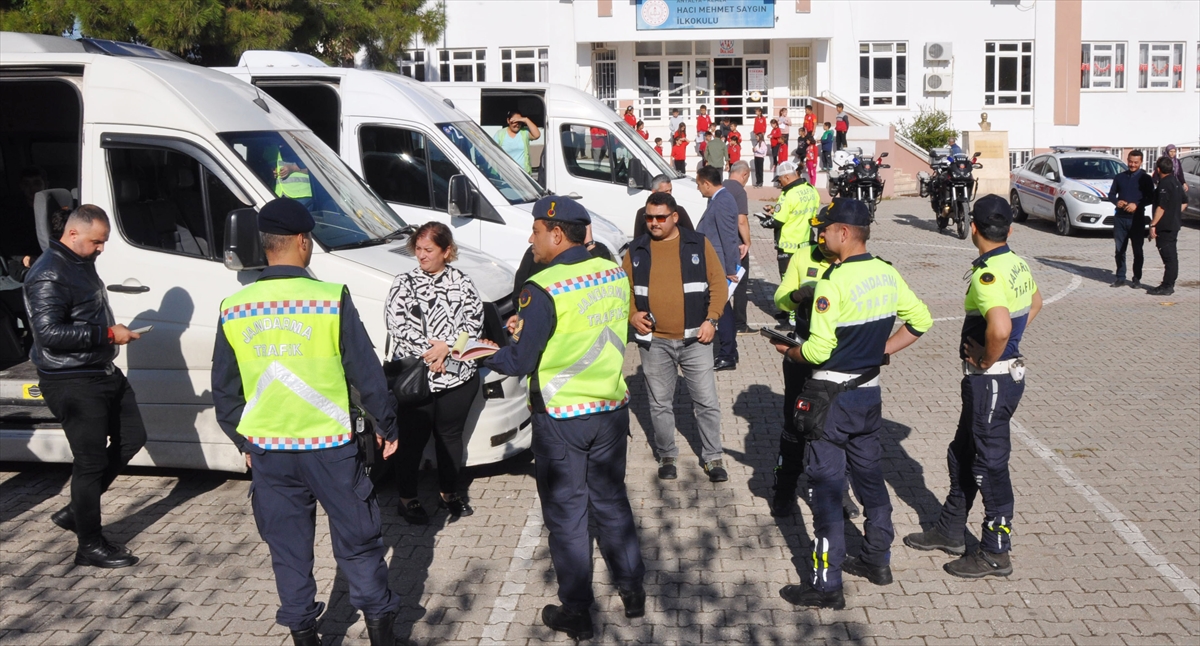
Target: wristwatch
[(716, 326)]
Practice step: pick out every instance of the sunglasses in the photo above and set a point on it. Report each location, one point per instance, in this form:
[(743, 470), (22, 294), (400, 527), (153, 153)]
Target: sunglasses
[(656, 218)]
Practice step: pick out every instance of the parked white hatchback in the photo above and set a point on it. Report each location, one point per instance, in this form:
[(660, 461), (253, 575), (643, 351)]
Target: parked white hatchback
[(1069, 186)]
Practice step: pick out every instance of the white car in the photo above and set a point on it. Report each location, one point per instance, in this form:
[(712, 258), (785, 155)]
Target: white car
[(1069, 186), (1191, 174)]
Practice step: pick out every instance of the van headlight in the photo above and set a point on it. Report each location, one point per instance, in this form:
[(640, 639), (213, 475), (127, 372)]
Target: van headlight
[(1086, 198)]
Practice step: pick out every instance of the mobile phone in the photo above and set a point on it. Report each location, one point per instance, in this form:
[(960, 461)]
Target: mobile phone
[(650, 317), (143, 330), (777, 337)]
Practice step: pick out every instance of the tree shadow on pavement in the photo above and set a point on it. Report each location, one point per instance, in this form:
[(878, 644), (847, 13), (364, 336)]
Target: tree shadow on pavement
[(189, 485), (32, 485), (685, 420)]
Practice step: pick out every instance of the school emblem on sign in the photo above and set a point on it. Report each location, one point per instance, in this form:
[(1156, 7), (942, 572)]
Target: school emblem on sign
[(822, 304), (695, 259), (726, 48), (655, 12)]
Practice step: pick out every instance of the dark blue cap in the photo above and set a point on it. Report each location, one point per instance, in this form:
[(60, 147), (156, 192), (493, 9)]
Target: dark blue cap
[(992, 210), (557, 208), (845, 210), (285, 216)]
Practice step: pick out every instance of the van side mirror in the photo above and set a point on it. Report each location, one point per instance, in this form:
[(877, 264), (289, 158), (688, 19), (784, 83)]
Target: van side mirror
[(637, 174), (461, 201), (243, 246), (882, 155)]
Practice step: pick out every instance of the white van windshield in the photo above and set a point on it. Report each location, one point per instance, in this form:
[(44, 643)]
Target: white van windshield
[(296, 164), (497, 167), (647, 150)]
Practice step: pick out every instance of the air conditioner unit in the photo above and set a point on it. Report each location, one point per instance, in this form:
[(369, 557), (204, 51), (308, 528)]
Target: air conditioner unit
[(938, 82), (938, 52)]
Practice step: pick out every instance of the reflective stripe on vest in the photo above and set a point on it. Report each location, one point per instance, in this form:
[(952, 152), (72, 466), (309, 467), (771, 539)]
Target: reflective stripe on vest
[(285, 333), (579, 372), (794, 210), (297, 185)]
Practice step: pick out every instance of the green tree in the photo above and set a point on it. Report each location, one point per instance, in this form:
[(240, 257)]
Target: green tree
[(216, 32), (929, 129)]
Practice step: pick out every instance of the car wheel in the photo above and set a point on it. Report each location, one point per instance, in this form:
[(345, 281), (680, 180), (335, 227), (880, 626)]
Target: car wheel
[(1019, 214), (1062, 219)]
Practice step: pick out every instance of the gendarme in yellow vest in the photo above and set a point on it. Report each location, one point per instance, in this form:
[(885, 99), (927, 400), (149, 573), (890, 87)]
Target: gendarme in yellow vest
[(285, 333), (580, 369)]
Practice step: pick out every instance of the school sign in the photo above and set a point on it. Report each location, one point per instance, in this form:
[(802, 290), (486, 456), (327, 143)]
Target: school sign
[(653, 15)]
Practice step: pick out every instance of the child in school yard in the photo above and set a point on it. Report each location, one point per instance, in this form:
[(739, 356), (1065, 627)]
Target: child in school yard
[(760, 124), (810, 121), (827, 147), (702, 122), (810, 158), (658, 146), (679, 153), (776, 143), (734, 141), (641, 130), (761, 150)]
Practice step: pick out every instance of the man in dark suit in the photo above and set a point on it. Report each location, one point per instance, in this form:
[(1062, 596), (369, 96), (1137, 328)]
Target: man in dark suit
[(720, 225)]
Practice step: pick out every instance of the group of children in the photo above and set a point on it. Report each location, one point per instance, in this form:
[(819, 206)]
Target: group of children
[(766, 144)]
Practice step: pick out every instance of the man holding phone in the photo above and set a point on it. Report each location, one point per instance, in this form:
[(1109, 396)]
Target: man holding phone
[(679, 292), (514, 139), (75, 340)]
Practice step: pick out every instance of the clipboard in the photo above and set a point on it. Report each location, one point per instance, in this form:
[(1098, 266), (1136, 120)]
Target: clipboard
[(778, 337)]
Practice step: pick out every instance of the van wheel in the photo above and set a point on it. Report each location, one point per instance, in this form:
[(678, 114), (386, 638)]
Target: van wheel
[(1062, 219), (1019, 214)]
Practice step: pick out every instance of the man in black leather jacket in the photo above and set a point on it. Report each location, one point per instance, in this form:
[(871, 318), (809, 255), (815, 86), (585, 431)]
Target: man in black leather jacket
[(74, 343)]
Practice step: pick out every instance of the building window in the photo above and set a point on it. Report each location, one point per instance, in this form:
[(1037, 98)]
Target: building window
[(1103, 66), (412, 64), (679, 47), (525, 65), (462, 65), (750, 47), (1198, 66), (1160, 66), (604, 76), (882, 74), (1018, 158), (1008, 73), (798, 75), (649, 48)]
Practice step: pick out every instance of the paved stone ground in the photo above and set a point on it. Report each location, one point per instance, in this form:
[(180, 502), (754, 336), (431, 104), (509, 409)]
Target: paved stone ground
[(1106, 466)]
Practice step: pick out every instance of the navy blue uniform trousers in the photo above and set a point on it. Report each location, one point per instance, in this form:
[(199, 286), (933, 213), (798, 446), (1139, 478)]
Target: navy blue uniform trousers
[(286, 487), (851, 436), (580, 466), (978, 460)]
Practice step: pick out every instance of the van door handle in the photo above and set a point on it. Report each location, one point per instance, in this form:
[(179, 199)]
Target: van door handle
[(130, 286)]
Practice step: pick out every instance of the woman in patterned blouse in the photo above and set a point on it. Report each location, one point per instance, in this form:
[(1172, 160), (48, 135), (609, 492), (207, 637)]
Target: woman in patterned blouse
[(427, 309)]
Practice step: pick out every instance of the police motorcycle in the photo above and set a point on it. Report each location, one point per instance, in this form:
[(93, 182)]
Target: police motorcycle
[(951, 188), (857, 177)]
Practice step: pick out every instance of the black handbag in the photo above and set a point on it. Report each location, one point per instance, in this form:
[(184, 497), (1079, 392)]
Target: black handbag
[(408, 377)]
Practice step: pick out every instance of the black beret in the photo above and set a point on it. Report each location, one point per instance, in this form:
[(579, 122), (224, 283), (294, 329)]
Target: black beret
[(285, 216), (992, 210), (845, 210), (557, 208)]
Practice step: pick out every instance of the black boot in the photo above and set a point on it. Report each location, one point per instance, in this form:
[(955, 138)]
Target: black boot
[(382, 631), (634, 600), (577, 624), (64, 518), (99, 552), (306, 637)]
